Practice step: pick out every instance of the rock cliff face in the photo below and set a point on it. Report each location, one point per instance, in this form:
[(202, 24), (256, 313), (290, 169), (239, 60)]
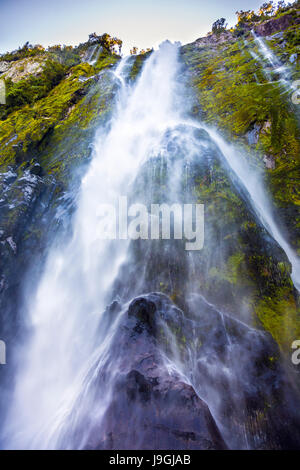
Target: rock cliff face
[(155, 404), (276, 25), (214, 40), (43, 144), (21, 69), (224, 75), (151, 407)]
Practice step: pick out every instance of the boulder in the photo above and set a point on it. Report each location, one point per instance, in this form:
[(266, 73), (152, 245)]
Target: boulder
[(149, 406), (197, 381)]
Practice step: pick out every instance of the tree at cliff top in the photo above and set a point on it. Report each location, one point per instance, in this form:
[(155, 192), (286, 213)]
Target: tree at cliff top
[(219, 26), (111, 44), (267, 9), (265, 12), (135, 51), (28, 50)]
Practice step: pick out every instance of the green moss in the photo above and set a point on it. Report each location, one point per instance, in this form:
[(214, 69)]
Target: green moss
[(233, 93), (138, 62), (33, 88), (29, 125), (68, 143), (279, 315), (234, 267), (106, 60)]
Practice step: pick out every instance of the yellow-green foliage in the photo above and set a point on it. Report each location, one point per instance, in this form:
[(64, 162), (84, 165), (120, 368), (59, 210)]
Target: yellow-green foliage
[(138, 64), (30, 124), (70, 137), (105, 61), (234, 92), (279, 315), (32, 88)]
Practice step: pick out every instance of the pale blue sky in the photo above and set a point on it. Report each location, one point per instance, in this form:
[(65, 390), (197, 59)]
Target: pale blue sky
[(144, 23)]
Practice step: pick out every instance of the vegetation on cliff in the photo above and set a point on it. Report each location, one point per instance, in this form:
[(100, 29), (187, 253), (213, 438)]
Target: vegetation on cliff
[(41, 103), (237, 91)]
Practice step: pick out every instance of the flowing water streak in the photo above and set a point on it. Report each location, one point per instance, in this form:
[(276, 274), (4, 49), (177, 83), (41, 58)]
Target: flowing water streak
[(284, 72), (90, 53), (94, 54), (253, 183), (95, 57), (72, 292)]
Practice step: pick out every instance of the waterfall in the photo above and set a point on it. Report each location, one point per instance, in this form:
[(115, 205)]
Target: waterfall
[(65, 312), (253, 183), (92, 54), (72, 342), (277, 68)]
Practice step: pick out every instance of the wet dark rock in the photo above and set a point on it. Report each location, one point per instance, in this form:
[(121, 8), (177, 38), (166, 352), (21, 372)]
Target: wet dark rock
[(144, 311), (114, 307), (159, 413), (206, 381), (25, 223), (24, 197), (36, 169), (150, 406)]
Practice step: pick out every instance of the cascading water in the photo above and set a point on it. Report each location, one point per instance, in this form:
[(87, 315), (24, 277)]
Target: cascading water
[(253, 183), (93, 54), (72, 292), (276, 67), (74, 349)]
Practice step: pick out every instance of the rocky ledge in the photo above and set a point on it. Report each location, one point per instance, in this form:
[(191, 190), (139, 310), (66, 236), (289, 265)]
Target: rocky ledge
[(276, 24), (164, 383)]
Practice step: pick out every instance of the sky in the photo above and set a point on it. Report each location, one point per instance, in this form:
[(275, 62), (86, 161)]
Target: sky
[(141, 23)]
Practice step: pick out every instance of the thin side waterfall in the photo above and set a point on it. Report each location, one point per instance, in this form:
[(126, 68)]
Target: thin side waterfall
[(65, 312), (95, 56), (268, 57), (90, 53), (253, 183)]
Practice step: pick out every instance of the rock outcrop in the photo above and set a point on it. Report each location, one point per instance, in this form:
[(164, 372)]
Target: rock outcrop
[(276, 24), (214, 39), (21, 69), (144, 390)]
